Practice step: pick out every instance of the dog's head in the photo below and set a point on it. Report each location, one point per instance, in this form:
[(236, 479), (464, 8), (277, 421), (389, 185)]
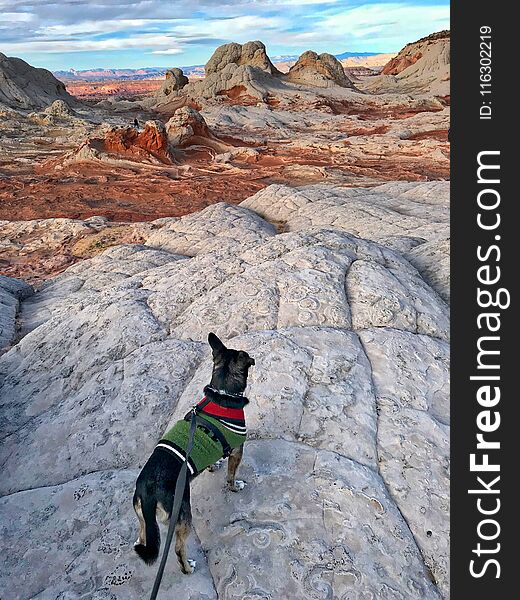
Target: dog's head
[(230, 367)]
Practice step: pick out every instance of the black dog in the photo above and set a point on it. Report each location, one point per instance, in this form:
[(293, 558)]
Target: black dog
[(220, 432)]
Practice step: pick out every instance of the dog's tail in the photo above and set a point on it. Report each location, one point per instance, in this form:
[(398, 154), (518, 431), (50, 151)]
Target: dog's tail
[(149, 551)]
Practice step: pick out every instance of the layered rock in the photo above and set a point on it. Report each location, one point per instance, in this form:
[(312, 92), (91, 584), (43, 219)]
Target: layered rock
[(413, 52), (323, 70), (252, 54), (175, 81), (244, 74), (37, 249), (347, 460), (187, 128), (122, 146), (151, 141), (25, 87), (420, 67), (240, 83)]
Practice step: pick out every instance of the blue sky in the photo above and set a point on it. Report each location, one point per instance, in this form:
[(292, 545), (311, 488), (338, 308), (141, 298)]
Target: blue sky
[(85, 34)]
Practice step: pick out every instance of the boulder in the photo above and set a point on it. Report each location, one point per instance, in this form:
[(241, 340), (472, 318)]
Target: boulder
[(185, 124), (175, 81), (323, 70), (251, 53), (59, 108)]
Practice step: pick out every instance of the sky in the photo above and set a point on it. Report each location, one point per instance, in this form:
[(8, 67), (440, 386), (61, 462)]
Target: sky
[(85, 34)]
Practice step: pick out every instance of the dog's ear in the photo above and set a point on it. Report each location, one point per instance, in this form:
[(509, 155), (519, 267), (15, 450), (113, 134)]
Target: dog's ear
[(216, 345)]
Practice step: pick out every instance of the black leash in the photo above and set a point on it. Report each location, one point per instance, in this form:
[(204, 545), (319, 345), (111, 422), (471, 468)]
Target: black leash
[(177, 500)]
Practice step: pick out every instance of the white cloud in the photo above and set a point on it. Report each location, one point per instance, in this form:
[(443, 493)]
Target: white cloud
[(168, 51), (385, 23), (235, 26), (33, 28), (16, 17), (142, 42)]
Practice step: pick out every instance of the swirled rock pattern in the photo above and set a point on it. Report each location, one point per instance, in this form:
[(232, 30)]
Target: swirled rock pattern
[(346, 466)]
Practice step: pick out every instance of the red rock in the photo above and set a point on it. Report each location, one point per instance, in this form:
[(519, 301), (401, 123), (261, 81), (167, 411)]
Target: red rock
[(129, 142), (400, 63)]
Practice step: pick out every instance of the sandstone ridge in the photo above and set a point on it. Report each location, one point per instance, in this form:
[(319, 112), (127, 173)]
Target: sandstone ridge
[(25, 87), (422, 66)]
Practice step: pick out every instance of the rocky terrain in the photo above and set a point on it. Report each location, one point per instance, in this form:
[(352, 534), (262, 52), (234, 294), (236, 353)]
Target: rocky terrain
[(301, 217), (421, 66), (95, 91), (346, 468), (313, 124)]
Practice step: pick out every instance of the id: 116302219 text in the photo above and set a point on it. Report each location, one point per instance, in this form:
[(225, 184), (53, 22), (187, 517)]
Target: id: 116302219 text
[(485, 64)]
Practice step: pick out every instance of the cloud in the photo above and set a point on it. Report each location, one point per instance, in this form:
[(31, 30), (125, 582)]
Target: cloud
[(168, 51), (142, 42), (34, 29)]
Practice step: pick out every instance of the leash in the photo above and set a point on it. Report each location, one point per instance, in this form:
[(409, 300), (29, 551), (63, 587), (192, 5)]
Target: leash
[(177, 500)]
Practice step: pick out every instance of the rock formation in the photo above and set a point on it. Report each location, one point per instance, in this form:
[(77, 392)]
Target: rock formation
[(175, 81), (187, 127), (323, 70), (151, 141), (420, 67), (37, 249), (411, 53), (251, 53), (244, 74), (417, 211), (239, 83), (25, 87), (59, 108), (347, 460)]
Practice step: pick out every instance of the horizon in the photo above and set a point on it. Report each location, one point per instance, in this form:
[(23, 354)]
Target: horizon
[(273, 58), (135, 34)]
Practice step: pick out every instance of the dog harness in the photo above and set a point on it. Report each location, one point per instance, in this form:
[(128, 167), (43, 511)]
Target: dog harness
[(219, 430)]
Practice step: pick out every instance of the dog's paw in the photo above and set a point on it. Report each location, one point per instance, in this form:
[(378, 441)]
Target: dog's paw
[(239, 485), (216, 466), (190, 567)]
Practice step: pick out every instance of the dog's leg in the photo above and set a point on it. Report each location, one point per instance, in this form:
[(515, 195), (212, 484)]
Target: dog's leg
[(233, 462), (162, 514), (182, 531), (141, 539)]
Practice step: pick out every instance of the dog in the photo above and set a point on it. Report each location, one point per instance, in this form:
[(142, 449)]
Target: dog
[(222, 433)]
